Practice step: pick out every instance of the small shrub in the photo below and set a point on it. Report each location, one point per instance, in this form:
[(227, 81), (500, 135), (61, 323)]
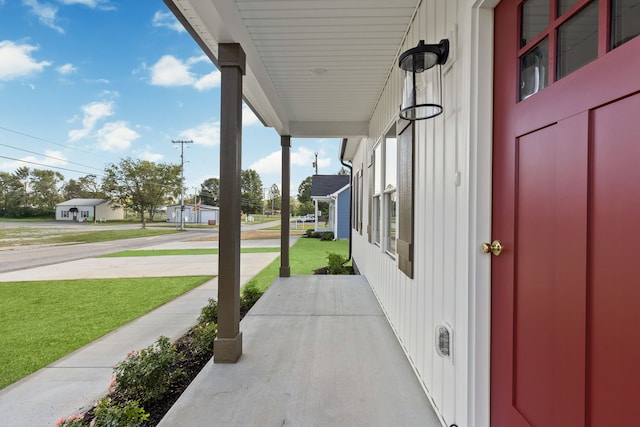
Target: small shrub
[(209, 313), (250, 295), (71, 421), (336, 264), (204, 336), (111, 414), (309, 232), (147, 374), (327, 235)]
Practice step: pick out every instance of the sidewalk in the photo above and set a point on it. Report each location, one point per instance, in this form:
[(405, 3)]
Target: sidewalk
[(76, 381)]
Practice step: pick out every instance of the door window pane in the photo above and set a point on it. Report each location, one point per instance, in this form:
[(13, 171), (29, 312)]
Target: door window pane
[(533, 69), (625, 21), (564, 5), (578, 40), (534, 19)]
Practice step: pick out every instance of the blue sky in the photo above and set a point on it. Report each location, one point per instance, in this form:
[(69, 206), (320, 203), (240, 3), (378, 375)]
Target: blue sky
[(84, 83)]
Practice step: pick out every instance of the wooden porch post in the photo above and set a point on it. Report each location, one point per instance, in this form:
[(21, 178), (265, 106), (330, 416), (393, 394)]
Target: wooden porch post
[(285, 270), (228, 344)]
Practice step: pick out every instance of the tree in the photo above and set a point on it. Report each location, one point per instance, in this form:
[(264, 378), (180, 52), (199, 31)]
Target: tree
[(45, 189), (22, 174), (86, 187), (274, 197), (210, 191), (343, 171), (251, 191), (11, 194), (141, 185), (305, 208), (304, 190)]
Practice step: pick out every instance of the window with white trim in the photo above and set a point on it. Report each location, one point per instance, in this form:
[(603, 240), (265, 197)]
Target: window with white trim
[(384, 207), (390, 194), (377, 192)]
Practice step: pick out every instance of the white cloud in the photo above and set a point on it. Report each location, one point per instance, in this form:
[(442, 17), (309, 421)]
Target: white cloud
[(16, 60), (93, 4), (170, 71), (208, 81), (248, 116), (93, 112), (207, 134), (302, 156), (116, 136), (46, 14), (66, 69), (270, 164), (150, 156), (167, 20)]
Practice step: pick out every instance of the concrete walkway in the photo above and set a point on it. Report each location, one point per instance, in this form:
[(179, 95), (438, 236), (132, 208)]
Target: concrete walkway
[(317, 351), (78, 380)]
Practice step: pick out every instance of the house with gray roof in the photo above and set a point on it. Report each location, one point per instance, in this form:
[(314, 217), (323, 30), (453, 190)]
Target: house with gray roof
[(88, 210), (336, 191)]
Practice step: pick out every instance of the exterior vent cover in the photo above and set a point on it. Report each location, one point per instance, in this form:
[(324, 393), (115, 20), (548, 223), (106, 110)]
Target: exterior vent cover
[(444, 340)]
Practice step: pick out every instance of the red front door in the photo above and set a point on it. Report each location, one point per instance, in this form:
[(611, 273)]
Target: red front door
[(566, 208)]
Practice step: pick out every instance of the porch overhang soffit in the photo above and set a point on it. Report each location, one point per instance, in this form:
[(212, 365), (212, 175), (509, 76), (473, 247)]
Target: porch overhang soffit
[(314, 68)]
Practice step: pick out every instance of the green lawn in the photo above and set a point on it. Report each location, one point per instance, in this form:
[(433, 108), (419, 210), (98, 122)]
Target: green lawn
[(161, 252), (43, 321), (305, 256), (32, 235)]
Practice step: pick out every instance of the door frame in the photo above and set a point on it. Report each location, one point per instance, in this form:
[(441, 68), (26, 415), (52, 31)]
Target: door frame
[(478, 72)]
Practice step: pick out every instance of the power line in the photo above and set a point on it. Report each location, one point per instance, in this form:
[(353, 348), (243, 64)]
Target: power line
[(47, 166), (50, 142), (50, 157)]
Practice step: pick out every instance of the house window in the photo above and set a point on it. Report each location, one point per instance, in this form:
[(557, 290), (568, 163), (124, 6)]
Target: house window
[(356, 214), (384, 206), (377, 192), (405, 196), (390, 197), (64, 214)]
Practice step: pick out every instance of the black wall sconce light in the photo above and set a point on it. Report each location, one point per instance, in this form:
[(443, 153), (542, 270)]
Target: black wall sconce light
[(422, 94)]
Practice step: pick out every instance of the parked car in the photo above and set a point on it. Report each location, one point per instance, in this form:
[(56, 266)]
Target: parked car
[(306, 218)]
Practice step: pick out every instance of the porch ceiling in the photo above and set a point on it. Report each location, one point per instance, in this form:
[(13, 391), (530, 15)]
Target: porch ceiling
[(288, 45)]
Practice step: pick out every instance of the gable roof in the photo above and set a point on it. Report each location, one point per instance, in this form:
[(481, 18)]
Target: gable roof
[(83, 202), (324, 185)]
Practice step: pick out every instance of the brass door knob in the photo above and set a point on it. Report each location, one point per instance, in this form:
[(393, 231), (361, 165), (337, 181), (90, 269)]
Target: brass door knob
[(495, 248)]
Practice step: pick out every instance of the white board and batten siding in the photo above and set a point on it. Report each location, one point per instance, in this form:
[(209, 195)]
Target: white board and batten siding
[(452, 202)]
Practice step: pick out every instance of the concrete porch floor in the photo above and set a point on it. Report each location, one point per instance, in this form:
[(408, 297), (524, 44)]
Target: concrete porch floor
[(317, 351)]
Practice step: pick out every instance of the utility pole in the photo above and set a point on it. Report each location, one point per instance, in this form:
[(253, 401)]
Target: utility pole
[(315, 164), (182, 180)]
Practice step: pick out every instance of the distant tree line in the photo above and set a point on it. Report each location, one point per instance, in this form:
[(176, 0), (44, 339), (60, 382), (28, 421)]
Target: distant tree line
[(139, 185)]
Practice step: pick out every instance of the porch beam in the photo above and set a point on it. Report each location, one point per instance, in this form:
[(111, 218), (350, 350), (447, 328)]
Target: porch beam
[(228, 343), (285, 211)]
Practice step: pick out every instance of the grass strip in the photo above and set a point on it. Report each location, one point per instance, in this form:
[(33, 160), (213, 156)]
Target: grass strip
[(29, 236), (305, 256), (42, 321), (163, 252)]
